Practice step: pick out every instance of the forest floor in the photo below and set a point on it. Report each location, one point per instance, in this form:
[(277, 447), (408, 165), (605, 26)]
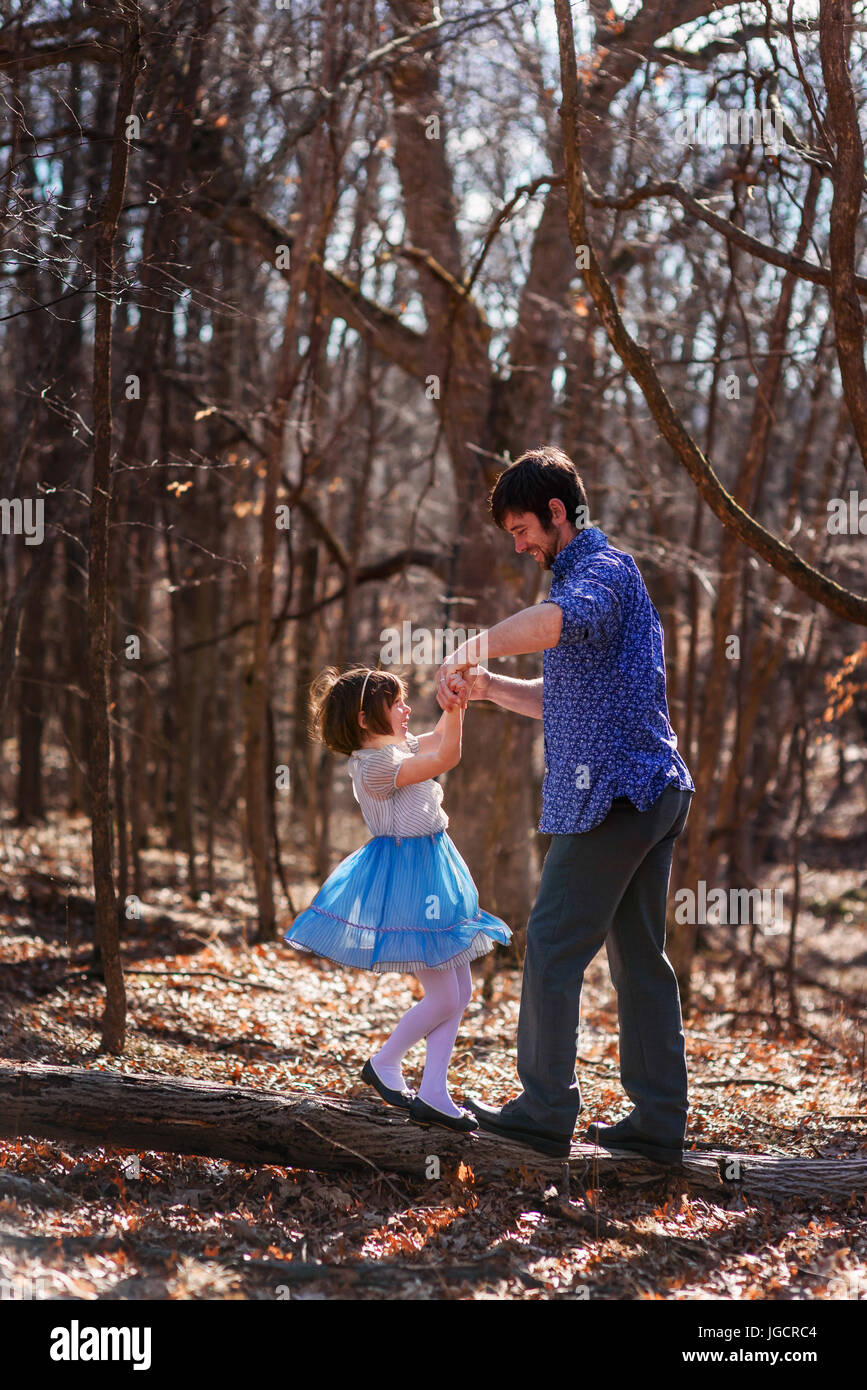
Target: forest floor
[(85, 1222)]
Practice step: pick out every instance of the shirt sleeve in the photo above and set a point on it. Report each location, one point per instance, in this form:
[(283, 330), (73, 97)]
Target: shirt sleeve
[(591, 610), (379, 770)]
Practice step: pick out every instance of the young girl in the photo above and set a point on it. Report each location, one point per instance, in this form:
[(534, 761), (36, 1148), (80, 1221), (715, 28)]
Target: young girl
[(405, 901)]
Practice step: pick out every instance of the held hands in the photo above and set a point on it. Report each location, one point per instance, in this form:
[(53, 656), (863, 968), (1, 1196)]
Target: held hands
[(455, 686)]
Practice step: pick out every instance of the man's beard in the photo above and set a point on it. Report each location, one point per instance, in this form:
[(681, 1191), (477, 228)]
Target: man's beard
[(549, 556)]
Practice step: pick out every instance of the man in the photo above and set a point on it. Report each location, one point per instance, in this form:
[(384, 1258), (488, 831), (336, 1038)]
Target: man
[(615, 797)]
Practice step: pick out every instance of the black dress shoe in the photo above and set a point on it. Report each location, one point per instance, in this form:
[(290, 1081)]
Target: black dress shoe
[(542, 1140), (608, 1137), (424, 1114), (399, 1098)]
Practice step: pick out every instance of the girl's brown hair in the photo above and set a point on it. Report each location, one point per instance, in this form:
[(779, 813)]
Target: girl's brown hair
[(335, 702)]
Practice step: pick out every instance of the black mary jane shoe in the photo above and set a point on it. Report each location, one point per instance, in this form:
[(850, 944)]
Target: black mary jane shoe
[(401, 1099), (424, 1114)]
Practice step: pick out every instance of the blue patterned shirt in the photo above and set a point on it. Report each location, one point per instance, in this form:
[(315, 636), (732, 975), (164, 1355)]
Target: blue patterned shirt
[(604, 710)]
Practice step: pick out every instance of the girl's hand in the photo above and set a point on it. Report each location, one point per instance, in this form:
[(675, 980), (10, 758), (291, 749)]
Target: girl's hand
[(458, 686)]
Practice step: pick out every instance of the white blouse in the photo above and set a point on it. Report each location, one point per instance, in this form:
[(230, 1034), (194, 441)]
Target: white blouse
[(390, 810)]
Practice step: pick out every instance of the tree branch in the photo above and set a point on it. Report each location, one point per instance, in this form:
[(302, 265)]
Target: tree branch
[(806, 270), (835, 32), (639, 363), (436, 561), (380, 327)]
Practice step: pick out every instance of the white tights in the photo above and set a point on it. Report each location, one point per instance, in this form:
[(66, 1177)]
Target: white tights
[(437, 1017)]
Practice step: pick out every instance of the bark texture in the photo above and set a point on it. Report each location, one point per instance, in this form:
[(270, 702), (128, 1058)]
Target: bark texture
[(330, 1133)]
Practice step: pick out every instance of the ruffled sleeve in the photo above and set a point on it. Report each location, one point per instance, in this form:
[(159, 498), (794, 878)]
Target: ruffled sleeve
[(379, 769)]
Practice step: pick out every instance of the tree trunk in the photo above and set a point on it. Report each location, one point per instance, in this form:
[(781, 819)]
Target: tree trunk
[(73, 718), (119, 767), (303, 752), (114, 1018), (31, 692), (141, 810)]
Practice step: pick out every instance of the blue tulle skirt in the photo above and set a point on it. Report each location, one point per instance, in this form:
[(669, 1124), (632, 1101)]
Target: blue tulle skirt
[(399, 904)]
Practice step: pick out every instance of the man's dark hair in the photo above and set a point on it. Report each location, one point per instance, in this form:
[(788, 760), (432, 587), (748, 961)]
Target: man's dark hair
[(530, 483)]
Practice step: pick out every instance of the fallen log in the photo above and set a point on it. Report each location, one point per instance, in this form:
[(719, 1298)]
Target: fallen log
[(329, 1133)]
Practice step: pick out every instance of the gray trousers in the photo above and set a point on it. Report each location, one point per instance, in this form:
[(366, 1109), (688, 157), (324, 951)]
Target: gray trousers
[(609, 884)]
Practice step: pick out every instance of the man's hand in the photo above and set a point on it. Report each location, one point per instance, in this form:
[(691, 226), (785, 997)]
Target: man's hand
[(477, 684), (461, 684), (532, 630)]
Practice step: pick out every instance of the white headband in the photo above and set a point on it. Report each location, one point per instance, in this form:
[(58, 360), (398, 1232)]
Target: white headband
[(363, 688)]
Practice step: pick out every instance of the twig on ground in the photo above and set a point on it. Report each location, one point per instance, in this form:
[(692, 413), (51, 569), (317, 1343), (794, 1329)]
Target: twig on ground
[(180, 974), (749, 1081)]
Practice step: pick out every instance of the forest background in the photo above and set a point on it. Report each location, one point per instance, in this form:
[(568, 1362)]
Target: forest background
[(283, 287)]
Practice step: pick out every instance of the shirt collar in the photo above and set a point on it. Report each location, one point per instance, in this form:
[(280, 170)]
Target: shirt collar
[(401, 744), (579, 550)]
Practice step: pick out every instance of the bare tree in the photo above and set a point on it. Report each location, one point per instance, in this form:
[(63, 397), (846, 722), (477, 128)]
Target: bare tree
[(99, 752)]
